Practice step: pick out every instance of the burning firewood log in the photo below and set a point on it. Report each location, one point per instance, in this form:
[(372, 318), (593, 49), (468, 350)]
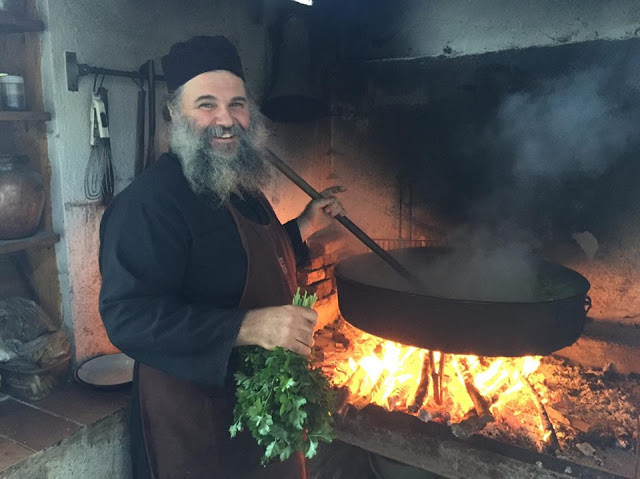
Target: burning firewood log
[(396, 396), (365, 399), (349, 390), (477, 419), (354, 382), (423, 386), (440, 376), (415, 361), (379, 383), (549, 442), (480, 404), (357, 383), (406, 391), (437, 377)]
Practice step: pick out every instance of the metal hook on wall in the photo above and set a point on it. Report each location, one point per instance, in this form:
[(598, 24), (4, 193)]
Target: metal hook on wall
[(146, 72), (75, 70)]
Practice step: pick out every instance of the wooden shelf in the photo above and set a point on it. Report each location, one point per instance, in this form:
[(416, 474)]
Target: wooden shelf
[(24, 116), (12, 24), (36, 241)]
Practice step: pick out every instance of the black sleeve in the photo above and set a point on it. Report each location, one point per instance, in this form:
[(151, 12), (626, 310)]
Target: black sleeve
[(143, 254), (300, 249)]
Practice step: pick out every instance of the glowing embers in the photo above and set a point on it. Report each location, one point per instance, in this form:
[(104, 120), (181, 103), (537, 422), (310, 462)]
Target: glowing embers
[(466, 392)]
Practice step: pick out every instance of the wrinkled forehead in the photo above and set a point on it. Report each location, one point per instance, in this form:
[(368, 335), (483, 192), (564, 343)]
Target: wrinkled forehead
[(220, 85)]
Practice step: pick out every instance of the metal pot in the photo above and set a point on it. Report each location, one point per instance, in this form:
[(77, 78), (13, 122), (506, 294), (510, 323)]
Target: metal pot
[(377, 300), (13, 6), (21, 198)]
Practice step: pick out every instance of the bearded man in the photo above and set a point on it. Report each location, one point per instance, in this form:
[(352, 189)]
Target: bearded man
[(194, 263)]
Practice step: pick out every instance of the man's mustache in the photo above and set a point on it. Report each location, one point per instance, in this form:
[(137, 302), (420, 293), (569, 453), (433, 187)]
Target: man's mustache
[(217, 131)]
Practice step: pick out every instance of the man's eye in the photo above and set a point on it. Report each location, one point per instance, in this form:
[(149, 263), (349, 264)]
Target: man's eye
[(206, 106), (237, 104)]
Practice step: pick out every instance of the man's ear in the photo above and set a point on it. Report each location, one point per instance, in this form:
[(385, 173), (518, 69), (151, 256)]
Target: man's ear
[(167, 113)]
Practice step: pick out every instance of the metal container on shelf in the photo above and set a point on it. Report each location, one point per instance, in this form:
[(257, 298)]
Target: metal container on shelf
[(12, 6), (22, 197), (12, 92)]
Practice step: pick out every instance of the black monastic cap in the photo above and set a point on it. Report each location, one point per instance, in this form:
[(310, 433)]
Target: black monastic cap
[(186, 60)]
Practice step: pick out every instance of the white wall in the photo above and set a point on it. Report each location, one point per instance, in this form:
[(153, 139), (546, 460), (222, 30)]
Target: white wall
[(410, 28), (123, 34)]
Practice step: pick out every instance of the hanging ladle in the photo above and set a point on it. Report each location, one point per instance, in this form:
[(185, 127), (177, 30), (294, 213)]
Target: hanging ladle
[(287, 171)]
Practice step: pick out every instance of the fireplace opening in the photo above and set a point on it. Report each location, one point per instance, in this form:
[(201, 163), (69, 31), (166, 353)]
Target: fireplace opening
[(547, 414), (538, 403), (513, 152)]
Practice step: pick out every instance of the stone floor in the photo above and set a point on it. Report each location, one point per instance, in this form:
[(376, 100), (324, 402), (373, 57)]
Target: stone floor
[(79, 432), (29, 427)]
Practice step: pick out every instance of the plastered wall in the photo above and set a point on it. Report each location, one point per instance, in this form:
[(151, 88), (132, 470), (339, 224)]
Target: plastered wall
[(122, 34)]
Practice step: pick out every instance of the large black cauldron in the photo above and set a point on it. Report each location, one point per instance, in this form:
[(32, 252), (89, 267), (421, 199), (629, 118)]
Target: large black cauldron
[(376, 299)]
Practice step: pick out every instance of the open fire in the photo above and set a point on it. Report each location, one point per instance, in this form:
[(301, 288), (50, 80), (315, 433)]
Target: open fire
[(534, 402), (467, 391)]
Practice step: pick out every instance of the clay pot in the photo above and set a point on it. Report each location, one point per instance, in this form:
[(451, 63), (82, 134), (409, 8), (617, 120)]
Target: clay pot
[(21, 198)]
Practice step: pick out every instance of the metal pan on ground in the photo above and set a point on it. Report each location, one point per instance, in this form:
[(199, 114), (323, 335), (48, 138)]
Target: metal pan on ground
[(112, 371)]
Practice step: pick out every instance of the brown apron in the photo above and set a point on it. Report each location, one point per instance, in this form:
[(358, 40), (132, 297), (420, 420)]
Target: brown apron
[(186, 425)]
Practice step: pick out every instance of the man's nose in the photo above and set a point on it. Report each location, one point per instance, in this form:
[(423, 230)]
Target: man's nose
[(224, 118)]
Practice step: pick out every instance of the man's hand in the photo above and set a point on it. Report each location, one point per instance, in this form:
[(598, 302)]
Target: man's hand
[(319, 213), (290, 327)]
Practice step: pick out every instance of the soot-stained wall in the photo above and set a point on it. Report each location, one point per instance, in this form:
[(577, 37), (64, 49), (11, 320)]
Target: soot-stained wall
[(536, 147)]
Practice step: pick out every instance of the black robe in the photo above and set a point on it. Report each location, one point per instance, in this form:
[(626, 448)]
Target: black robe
[(173, 272)]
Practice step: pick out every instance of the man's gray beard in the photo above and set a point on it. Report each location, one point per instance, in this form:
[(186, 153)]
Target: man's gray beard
[(219, 170)]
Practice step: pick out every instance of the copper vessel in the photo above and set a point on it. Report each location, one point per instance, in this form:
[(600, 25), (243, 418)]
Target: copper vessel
[(21, 197)]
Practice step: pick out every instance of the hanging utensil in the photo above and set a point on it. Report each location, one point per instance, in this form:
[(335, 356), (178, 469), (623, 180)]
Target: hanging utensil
[(99, 176), (139, 158), (151, 106)]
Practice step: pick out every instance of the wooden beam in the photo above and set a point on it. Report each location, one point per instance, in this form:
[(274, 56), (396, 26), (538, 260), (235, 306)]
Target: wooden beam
[(24, 116), (12, 24), (36, 241)]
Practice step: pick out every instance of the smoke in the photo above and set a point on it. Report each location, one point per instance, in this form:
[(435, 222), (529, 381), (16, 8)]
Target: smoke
[(561, 138), (580, 123), (484, 265), (574, 126), (543, 152), (479, 265)]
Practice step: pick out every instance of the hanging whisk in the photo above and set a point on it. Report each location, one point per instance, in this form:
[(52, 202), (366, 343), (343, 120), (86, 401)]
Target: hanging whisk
[(99, 177)]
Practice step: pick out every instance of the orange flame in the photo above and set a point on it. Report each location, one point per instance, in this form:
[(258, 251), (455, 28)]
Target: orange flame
[(390, 375)]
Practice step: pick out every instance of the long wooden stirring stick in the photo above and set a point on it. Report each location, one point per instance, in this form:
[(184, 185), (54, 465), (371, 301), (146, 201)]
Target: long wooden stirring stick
[(287, 171)]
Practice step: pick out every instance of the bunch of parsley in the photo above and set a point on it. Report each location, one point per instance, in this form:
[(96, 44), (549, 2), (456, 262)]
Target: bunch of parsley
[(284, 402)]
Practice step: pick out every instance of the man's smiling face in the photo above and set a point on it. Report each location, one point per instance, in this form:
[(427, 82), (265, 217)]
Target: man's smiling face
[(217, 135), (217, 101)]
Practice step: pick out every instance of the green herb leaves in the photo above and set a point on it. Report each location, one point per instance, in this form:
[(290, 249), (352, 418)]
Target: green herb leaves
[(282, 400)]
